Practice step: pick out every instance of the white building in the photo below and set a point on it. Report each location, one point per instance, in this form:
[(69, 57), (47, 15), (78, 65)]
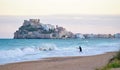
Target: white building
[(78, 35), (48, 26), (90, 36)]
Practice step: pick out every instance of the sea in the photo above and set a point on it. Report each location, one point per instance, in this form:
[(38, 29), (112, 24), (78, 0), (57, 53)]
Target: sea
[(20, 50)]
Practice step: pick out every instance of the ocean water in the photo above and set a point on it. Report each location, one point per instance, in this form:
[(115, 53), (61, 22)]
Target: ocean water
[(19, 50)]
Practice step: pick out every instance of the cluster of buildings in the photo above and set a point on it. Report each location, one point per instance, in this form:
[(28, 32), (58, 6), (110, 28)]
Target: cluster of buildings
[(83, 36)]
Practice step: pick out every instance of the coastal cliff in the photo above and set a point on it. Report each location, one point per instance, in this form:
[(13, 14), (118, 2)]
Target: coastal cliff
[(33, 29)]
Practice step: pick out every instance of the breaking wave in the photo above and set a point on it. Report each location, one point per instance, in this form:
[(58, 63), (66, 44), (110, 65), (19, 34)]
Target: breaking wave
[(17, 52)]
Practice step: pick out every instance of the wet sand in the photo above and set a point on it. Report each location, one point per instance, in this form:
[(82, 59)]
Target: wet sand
[(62, 63)]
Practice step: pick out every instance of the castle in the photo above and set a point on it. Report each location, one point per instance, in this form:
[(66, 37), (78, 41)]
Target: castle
[(36, 21), (33, 29)]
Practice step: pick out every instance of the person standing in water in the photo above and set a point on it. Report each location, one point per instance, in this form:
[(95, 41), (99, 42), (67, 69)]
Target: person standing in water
[(80, 48)]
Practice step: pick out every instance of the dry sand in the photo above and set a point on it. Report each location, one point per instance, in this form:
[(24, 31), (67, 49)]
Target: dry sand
[(62, 63)]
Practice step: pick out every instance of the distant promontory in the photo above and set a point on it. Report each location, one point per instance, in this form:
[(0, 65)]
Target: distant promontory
[(34, 29)]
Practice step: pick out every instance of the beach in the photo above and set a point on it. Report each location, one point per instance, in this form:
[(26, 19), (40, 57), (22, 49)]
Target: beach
[(62, 63)]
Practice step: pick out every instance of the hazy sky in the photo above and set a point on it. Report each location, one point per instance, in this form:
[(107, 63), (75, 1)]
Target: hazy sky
[(51, 7), (47, 8)]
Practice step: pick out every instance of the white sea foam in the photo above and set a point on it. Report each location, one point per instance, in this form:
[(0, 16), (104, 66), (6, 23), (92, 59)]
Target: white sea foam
[(48, 47), (26, 51), (19, 52)]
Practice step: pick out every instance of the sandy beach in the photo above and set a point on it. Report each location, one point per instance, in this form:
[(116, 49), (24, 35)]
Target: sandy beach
[(62, 63)]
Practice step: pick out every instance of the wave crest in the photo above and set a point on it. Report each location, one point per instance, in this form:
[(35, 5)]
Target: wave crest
[(26, 51)]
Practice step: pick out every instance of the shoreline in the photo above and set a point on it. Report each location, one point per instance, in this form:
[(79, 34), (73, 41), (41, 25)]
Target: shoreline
[(62, 63), (49, 58)]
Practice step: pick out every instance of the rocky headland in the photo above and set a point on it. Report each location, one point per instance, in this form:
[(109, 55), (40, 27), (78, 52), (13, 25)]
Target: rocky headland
[(34, 29)]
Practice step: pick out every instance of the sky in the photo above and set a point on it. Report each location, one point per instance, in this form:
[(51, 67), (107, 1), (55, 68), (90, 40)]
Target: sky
[(78, 16), (51, 7)]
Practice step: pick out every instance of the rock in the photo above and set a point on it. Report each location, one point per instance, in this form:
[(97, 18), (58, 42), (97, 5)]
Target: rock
[(33, 29)]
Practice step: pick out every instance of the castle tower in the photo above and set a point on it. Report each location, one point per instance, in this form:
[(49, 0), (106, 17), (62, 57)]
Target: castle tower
[(35, 20)]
